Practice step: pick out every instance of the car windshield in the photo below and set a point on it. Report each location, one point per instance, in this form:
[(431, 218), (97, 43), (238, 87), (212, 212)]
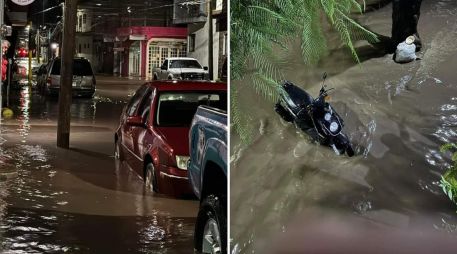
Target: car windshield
[(176, 109), (185, 64), (81, 67)]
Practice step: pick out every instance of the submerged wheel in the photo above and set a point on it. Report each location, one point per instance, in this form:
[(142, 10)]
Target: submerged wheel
[(117, 151), (118, 156), (343, 145), (211, 228), (150, 180), (349, 150)]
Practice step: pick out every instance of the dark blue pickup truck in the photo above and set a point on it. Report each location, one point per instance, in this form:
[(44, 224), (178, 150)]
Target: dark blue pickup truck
[(207, 170)]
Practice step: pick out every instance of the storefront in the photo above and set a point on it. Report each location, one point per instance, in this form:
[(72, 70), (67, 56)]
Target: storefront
[(144, 48), (161, 48)]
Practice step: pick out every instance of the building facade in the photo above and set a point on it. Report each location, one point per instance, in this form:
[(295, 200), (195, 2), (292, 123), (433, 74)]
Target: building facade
[(197, 17), (84, 41), (138, 50), (127, 44)]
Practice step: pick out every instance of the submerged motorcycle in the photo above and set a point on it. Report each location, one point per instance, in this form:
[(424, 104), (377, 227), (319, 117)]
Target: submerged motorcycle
[(316, 117)]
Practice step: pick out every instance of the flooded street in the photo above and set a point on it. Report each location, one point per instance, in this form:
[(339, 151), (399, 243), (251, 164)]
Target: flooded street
[(79, 200), (397, 117)]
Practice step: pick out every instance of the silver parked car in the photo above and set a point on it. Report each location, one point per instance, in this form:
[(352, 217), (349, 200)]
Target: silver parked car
[(83, 78)]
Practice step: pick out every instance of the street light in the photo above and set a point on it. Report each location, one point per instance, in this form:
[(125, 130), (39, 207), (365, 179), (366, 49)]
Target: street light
[(54, 47)]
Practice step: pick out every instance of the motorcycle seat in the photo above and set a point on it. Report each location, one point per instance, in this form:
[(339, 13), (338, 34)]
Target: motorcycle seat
[(299, 97)]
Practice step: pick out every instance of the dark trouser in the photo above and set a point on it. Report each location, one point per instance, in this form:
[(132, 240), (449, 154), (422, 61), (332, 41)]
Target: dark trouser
[(4, 93)]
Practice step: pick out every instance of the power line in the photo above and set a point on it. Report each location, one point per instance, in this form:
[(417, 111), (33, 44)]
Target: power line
[(46, 10), (183, 4)]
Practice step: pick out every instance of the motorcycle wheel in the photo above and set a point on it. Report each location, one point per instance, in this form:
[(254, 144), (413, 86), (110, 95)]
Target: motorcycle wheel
[(283, 113), (349, 150), (343, 145)]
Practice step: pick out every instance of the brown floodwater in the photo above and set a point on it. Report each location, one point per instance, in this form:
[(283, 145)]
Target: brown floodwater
[(79, 200), (397, 116)]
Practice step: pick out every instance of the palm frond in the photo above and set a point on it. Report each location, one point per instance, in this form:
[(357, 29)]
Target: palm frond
[(239, 121), (259, 27)]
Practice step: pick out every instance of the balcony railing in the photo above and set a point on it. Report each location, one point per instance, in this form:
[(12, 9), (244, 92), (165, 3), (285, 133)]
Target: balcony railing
[(189, 11)]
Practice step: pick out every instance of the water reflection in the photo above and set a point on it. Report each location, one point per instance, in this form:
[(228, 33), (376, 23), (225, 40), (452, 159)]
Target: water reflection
[(30, 222), (446, 130), (88, 111), (24, 116), (76, 201), (38, 231)]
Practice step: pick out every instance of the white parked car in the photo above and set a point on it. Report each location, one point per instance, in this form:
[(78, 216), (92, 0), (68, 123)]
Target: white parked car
[(184, 68), (83, 78)]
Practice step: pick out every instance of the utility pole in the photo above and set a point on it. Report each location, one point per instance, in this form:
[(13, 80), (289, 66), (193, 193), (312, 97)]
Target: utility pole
[(210, 40), (50, 50), (29, 74), (10, 62), (2, 10), (66, 73), (38, 46)]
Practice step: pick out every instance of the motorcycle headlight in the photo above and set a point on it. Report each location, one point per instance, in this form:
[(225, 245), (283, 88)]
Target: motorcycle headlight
[(327, 117), (334, 127), (181, 162)]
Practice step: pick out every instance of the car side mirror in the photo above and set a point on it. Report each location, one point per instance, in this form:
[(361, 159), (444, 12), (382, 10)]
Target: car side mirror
[(135, 121), (205, 68)]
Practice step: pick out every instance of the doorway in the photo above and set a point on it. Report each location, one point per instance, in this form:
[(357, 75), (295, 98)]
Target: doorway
[(135, 59)]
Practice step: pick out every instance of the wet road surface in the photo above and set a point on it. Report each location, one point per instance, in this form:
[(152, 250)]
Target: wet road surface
[(396, 115), (79, 200)]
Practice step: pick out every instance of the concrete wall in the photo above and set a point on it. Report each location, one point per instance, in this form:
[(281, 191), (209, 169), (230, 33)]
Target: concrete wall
[(84, 20), (201, 31), (223, 53), (86, 44)]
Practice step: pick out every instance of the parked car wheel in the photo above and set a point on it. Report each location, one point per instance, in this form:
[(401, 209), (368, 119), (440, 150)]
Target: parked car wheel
[(150, 180), (118, 156), (211, 228), (117, 151), (155, 77)]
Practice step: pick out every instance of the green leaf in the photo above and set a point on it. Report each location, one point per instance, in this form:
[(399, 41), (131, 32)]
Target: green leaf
[(448, 147), (454, 156)]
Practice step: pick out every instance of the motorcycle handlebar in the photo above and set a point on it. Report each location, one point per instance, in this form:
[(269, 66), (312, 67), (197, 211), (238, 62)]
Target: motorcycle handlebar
[(324, 92)]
